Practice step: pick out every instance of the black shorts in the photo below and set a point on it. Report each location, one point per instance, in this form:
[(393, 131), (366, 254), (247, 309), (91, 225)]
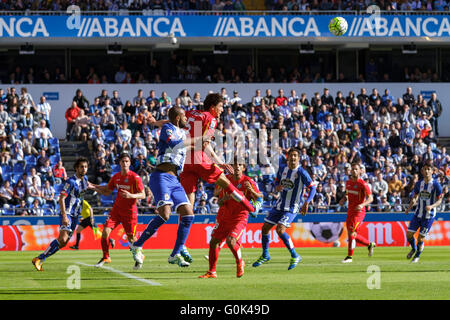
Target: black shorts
[(86, 222)]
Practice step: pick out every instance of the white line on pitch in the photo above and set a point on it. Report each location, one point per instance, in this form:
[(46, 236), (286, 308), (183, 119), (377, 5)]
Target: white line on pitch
[(127, 275)]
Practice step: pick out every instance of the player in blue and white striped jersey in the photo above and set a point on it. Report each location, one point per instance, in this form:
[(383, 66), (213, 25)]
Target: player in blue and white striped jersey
[(293, 181), (427, 195), (70, 204), (167, 189)]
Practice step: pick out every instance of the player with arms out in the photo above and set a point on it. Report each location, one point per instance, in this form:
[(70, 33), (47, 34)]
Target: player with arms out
[(70, 203), (129, 189), (292, 181), (87, 220), (231, 220), (359, 196), (167, 189), (202, 162), (427, 194)]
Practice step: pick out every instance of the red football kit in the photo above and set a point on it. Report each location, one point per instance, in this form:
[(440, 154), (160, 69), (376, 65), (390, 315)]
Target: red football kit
[(357, 192), (198, 165), (232, 217), (124, 210)]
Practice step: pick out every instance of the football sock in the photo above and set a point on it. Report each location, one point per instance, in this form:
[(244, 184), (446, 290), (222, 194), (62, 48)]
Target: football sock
[(78, 239), (361, 240), (105, 247), (420, 246), (265, 239), (239, 197), (213, 256), (351, 245), (52, 249), (236, 250), (183, 231), (156, 222), (288, 243), (412, 242)]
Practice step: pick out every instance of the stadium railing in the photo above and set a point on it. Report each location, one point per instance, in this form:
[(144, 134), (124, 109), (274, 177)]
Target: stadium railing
[(217, 13)]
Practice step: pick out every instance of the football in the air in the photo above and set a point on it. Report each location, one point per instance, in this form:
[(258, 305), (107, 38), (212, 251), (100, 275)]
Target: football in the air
[(326, 231), (338, 26)]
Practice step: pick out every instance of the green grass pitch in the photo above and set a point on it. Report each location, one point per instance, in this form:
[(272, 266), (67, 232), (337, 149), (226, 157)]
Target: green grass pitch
[(319, 276)]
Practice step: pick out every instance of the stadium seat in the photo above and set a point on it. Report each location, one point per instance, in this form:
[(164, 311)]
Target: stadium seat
[(30, 159), (109, 135), (54, 159), (115, 168), (6, 169), (24, 132), (18, 168), (54, 142)]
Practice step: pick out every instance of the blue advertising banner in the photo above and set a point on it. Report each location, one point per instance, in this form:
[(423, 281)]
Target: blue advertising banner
[(78, 26)]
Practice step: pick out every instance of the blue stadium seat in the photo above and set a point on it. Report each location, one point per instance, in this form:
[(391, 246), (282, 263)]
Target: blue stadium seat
[(30, 159), (25, 131), (54, 159), (58, 188), (18, 168), (115, 168), (109, 135), (54, 142), (6, 169)]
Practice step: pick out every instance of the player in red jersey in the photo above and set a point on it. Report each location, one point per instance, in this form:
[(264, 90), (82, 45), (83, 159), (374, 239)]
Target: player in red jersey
[(202, 162), (359, 196), (231, 220), (130, 188)]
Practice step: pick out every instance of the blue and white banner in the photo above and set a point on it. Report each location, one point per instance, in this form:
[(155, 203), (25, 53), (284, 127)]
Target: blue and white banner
[(79, 26)]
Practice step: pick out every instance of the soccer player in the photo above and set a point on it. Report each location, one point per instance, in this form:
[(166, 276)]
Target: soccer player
[(87, 220), (70, 203), (232, 220), (293, 181), (359, 196), (427, 194), (167, 189), (202, 162), (129, 189)]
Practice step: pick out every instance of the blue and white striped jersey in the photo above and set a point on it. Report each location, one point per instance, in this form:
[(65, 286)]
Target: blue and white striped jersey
[(170, 146), (428, 193), (74, 190), (294, 182)]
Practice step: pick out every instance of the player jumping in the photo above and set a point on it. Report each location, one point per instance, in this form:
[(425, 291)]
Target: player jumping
[(292, 180), (166, 188), (231, 221), (70, 203), (359, 196), (130, 188), (202, 162), (428, 196)]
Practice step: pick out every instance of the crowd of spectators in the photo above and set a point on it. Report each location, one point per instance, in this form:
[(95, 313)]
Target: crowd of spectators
[(200, 71), (30, 166), (391, 136), (222, 5)]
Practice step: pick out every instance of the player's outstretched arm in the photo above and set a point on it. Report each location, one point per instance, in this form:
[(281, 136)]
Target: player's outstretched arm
[(217, 160), (128, 195), (103, 190)]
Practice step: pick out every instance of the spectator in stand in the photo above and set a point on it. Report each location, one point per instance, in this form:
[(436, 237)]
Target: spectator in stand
[(82, 127), (380, 187), (103, 171), (59, 172), (27, 119), (34, 191), (116, 100), (43, 109), (279, 101), (48, 194), (5, 153), (108, 120), (71, 115), (81, 101), (436, 108), (6, 195), (120, 75)]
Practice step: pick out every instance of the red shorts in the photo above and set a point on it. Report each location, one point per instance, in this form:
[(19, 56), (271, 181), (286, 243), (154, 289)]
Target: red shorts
[(354, 221), (128, 221), (208, 172), (228, 225)]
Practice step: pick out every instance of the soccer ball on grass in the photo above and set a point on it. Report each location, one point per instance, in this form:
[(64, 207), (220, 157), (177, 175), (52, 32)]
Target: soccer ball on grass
[(326, 232)]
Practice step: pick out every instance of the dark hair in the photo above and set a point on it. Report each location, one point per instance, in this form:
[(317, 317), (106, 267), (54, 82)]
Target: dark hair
[(212, 100), (124, 155), (79, 161), (174, 112), (294, 149)]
